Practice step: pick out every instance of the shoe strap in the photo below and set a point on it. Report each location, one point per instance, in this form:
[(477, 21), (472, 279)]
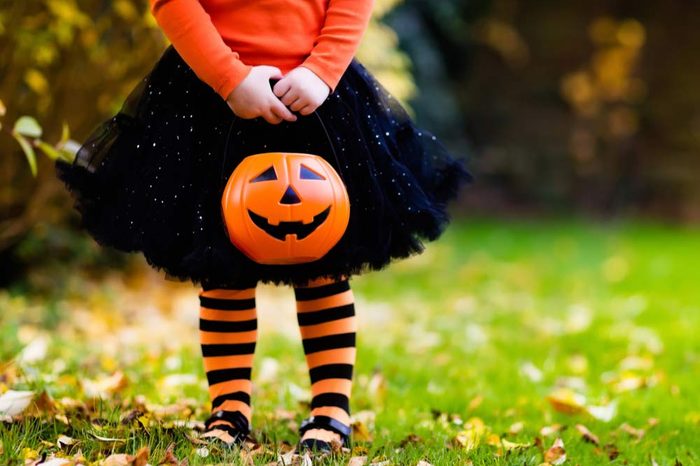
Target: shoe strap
[(236, 418), (325, 422)]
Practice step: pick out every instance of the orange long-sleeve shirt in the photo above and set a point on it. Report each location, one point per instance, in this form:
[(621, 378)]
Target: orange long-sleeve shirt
[(221, 40)]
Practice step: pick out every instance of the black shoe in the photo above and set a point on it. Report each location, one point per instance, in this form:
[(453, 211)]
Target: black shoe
[(326, 423), (239, 428)]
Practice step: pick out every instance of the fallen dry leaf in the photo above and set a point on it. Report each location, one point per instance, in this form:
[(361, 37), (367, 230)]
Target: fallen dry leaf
[(612, 451), (65, 441), (508, 446), (306, 459), (286, 458), (141, 458), (376, 388), (470, 437), (475, 402), (53, 461), (567, 401), (119, 459), (410, 439), (131, 415), (628, 382), (107, 439), (106, 386), (532, 372), (603, 413), (494, 440), (35, 351), (637, 433), (546, 431), (357, 461), (41, 405), (170, 458), (587, 435), (250, 451), (14, 402), (122, 459), (516, 428), (423, 463), (380, 462), (189, 424), (195, 440), (556, 453), (360, 432)]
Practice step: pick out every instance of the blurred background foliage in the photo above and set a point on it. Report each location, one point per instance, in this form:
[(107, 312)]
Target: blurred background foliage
[(588, 108), (568, 106)]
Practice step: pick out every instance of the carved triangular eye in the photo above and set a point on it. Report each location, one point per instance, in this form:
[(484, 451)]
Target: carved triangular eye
[(305, 173), (267, 175)]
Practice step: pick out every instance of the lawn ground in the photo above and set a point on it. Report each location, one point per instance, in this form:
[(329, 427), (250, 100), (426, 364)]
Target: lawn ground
[(502, 338)]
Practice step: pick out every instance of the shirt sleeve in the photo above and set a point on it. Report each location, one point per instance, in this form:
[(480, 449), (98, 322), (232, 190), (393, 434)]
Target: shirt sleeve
[(189, 28), (342, 31)]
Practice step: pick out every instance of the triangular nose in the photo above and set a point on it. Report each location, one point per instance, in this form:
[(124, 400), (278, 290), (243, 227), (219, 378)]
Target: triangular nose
[(290, 196)]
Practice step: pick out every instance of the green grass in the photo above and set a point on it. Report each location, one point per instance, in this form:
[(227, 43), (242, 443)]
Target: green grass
[(447, 336)]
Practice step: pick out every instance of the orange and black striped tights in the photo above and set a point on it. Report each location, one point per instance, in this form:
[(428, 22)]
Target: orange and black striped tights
[(326, 317)]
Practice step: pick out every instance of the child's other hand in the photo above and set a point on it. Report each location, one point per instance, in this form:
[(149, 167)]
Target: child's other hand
[(254, 98), (302, 90)]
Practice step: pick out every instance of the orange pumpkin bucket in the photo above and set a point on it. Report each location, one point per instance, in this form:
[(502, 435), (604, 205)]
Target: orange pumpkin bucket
[(285, 208)]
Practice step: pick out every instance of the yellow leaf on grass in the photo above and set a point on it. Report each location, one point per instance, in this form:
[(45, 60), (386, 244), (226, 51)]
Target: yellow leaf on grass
[(513, 445), (494, 440), (29, 454), (360, 432), (628, 382), (470, 437), (565, 400)]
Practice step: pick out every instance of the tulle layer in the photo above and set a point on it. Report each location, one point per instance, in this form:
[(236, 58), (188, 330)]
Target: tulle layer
[(150, 179)]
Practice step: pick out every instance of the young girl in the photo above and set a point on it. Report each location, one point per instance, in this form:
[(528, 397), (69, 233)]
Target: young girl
[(245, 77)]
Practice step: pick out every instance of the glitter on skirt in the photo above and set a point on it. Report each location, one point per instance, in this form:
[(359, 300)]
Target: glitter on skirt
[(150, 179)]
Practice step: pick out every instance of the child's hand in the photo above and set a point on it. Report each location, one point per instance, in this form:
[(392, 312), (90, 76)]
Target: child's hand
[(302, 90), (253, 97)]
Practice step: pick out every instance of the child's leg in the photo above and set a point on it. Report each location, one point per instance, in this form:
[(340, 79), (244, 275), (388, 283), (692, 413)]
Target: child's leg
[(326, 316), (228, 334)]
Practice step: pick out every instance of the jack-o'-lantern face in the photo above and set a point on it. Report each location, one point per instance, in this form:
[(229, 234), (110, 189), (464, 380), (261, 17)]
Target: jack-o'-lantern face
[(285, 208)]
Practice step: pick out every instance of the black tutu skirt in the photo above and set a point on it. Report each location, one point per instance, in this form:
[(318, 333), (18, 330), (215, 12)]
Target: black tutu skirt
[(150, 179)]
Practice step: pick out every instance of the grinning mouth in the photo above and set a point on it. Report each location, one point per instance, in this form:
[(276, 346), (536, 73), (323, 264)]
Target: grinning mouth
[(297, 228)]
